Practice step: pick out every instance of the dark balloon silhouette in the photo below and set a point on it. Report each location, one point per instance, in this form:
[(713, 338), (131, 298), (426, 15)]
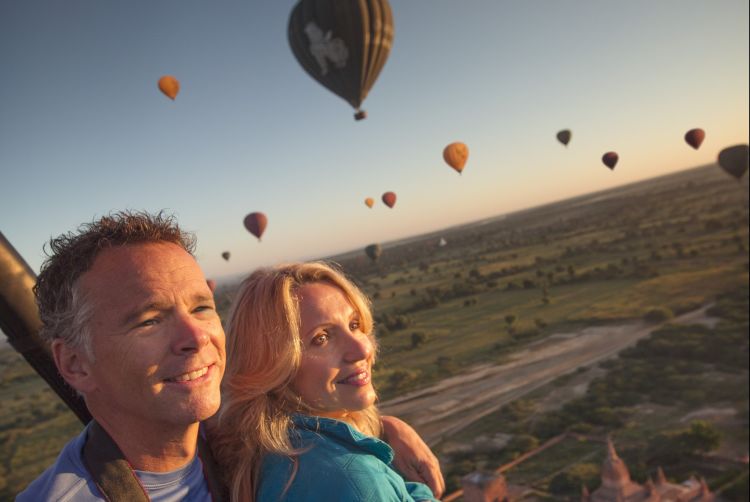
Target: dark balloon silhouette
[(389, 199), (255, 223), (170, 86), (342, 44), (564, 136), (694, 137), (373, 251), (734, 160), (369, 201), (610, 159), (455, 155), (226, 255)]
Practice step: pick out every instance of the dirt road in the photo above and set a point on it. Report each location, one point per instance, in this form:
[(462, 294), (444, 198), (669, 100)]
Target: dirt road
[(439, 411)]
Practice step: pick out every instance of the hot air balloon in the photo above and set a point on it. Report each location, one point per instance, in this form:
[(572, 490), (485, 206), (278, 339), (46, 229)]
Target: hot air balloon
[(226, 255), (694, 137), (369, 201), (564, 136), (389, 199), (734, 160), (610, 159), (456, 155), (342, 44), (255, 223), (373, 251), (170, 86)]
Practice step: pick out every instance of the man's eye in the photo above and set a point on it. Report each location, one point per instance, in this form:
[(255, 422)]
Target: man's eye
[(148, 322)]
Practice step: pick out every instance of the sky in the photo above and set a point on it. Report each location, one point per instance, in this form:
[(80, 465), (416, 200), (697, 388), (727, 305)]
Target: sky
[(84, 131)]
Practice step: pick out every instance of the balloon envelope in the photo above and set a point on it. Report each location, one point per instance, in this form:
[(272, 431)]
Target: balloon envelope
[(255, 223), (369, 201), (455, 155), (734, 160), (373, 251), (226, 255), (342, 44), (610, 159), (564, 136), (170, 86), (694, 137), (389, 199)]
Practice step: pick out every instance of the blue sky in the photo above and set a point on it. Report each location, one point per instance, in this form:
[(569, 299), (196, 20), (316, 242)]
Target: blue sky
[(84, 129)]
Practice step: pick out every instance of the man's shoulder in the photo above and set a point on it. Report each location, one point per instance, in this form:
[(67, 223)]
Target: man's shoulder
[(65, 480)]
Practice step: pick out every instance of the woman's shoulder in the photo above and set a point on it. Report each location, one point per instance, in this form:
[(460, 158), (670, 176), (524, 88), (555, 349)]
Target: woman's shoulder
[(329, 468)]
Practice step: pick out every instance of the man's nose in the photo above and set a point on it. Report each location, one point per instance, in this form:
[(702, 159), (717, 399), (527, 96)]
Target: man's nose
[(190, 334)]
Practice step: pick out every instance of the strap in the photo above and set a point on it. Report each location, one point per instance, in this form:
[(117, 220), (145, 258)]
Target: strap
[(116, 479), (216, 487), (111, 473)]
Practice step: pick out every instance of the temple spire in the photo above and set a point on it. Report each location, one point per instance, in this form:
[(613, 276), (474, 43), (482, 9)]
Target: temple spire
[(660, 477)]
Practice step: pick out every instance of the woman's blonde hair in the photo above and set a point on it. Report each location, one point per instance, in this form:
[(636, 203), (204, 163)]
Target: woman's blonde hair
[(264, 352)]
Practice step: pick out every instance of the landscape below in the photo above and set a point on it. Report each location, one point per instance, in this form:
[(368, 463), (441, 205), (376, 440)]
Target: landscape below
[(482, 295)]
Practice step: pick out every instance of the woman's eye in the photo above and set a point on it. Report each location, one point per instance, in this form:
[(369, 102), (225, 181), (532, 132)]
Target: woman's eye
[(320, 339), (354, 325)]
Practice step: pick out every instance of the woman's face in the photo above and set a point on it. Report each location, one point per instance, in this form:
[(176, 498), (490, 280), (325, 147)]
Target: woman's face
[(335, 374)]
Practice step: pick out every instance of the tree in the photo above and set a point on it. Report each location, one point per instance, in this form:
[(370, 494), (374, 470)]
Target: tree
[(509, 320), (418, 338)]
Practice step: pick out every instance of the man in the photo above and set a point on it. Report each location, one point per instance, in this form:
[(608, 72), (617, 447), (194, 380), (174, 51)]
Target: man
[(133, 328)]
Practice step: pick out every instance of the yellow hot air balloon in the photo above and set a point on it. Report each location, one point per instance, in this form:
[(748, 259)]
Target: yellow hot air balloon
[(170, 86), (456, 155)]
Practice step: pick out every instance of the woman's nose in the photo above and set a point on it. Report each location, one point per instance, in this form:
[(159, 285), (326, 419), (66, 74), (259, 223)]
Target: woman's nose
[(359, 347)]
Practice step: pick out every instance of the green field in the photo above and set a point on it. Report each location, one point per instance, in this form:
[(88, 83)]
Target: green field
[(670, 244)]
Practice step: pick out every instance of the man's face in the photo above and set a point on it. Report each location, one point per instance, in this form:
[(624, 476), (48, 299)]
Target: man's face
[(157, 340)]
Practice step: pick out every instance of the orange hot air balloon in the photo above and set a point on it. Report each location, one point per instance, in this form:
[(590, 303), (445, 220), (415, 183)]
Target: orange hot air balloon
[(564, 136), (455, 155), (170, 86), (610, 159), (255, 223), (369, 201), (734, 160), (694, 137), (389, 199)]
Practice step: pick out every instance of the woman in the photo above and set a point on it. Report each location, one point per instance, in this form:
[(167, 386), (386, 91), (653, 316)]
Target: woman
[(298, 418)]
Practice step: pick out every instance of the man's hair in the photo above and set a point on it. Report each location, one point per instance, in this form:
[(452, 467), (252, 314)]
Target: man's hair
[(63, 311)]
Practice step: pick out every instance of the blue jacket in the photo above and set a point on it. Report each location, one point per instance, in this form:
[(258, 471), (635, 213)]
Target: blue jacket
[(338, 464)]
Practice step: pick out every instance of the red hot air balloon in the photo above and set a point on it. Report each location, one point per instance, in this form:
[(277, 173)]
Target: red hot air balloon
[(564, 136), (255, 223), (389, 199), (734, 160), (694, 137), (610, 159), (170, 86)]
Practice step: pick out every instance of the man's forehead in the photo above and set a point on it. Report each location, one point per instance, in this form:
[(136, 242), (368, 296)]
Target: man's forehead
[(142, 266)]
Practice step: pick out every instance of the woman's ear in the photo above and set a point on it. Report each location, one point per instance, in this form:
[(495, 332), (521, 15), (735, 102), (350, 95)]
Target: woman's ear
[(74, 365)]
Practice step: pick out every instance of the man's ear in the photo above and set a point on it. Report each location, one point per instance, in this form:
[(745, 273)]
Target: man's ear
[(74, 366)]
